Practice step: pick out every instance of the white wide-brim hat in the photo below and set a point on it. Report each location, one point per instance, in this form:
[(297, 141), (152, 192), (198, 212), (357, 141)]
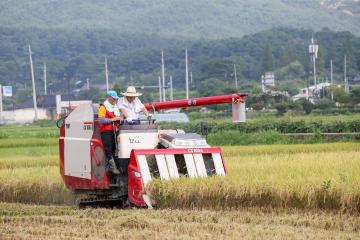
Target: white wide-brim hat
[(131, 92)]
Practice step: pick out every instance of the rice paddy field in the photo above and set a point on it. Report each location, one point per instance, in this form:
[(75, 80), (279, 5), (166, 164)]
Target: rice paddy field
[(301, 191)]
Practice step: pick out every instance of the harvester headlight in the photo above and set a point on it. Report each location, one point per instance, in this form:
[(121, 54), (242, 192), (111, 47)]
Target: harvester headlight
[(180, 143), (190, 142)]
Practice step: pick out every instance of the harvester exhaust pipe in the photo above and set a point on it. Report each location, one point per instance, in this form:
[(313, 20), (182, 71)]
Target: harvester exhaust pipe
[(238, 112)]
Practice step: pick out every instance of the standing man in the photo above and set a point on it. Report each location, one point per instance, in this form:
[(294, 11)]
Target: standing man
[(109, 114), (130, 106)]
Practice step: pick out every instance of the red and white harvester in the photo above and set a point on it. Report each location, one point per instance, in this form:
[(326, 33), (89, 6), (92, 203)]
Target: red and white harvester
[(143, 153)]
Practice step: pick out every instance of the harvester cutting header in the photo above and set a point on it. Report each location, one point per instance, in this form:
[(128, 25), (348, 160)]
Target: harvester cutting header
[(143, 152)]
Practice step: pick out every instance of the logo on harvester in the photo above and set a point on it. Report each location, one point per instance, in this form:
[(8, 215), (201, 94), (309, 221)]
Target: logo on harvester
[(87, 126), (192, 102), (195, 150), (135, 139)]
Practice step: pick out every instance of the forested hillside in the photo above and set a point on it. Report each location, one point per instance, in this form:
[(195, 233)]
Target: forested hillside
[(79, 54), (73, 38), (178, 18)]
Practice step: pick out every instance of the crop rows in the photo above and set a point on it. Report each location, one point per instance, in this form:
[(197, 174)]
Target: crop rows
[(315, 180), (263, 197), (318, 176)]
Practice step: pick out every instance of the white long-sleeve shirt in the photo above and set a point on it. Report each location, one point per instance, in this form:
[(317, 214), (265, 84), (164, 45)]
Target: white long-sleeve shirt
[(132, 109)]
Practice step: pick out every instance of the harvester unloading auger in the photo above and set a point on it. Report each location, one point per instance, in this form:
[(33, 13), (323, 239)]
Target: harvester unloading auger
[(144, 152)]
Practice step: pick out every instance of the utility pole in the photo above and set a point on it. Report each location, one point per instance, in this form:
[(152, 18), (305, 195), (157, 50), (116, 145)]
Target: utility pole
[(45, 88), (235, 77), (68, 85), (171, 89), (313, 51), (33, 84), (131, 80), (345, 76), (87, 84), (187, 73), (315, 82), (263, 83), (163, 74), (160, 90), (331, 79), (1, 104), (106, 75)]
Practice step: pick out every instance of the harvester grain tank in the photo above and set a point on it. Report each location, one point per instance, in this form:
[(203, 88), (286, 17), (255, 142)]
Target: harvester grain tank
[(144, 153)]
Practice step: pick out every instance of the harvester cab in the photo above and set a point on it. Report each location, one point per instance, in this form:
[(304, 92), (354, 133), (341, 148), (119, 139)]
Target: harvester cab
[(143, 153)]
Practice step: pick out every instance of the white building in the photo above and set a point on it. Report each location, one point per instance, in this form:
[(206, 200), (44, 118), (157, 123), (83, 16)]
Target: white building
[(311, 92)]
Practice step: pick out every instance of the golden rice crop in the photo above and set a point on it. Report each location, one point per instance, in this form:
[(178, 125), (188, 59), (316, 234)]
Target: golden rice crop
[(33, 185), (289, 149), (28, 161), (324, 180), (321, 176)]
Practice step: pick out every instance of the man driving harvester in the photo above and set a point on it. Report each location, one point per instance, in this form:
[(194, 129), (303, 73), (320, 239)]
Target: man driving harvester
[(108, 115), (130, 106)]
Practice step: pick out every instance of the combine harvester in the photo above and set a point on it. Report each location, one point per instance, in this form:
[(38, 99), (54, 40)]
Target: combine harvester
[(144, 152)]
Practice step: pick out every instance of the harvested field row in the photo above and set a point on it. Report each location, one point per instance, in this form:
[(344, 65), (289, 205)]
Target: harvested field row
[(29, 132), (11, 162), (27, 142), (19, 221), (289, 149), (29, 151)]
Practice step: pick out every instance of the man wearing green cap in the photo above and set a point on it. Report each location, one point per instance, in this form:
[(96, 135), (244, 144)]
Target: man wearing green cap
[(108, 114)]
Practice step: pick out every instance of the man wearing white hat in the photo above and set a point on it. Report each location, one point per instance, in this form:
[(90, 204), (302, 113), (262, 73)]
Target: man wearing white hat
[(130, 106)]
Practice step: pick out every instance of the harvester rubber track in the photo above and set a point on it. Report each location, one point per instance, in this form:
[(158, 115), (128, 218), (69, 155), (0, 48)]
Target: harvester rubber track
[(103, 201)]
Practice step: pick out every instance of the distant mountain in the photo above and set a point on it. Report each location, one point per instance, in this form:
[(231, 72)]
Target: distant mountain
[(181, 18)]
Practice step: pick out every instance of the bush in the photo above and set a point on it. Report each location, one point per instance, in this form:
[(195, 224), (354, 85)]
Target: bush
[(44, 123), (236, 138), (324, 103), (307, 106), (332, 111), (258, 106), (281, 108)]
